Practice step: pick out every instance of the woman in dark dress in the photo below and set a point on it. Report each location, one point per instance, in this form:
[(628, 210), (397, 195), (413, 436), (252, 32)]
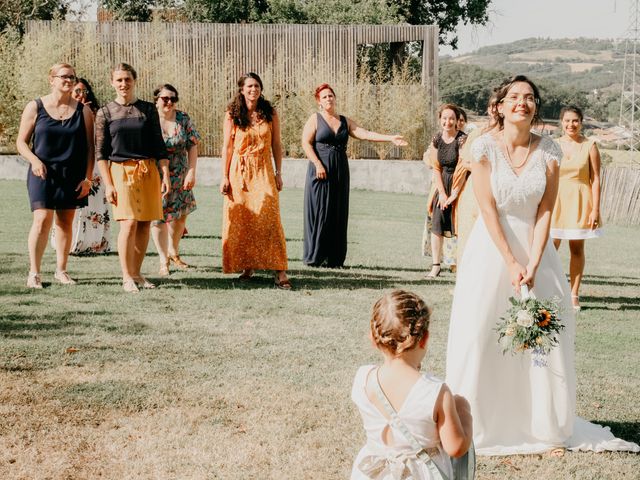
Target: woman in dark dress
[(61, 162), (444, 158), (326, 193)]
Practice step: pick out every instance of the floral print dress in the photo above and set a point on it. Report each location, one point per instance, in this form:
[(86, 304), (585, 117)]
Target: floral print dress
[(179, 202)]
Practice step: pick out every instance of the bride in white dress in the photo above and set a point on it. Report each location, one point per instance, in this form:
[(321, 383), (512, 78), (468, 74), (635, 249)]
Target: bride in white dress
[(517, 407)]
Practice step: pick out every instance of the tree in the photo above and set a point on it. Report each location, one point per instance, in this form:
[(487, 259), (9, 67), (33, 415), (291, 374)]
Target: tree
[(15, 13)]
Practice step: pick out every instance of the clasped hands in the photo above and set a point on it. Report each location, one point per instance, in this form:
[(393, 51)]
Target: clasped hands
[(521, 275)]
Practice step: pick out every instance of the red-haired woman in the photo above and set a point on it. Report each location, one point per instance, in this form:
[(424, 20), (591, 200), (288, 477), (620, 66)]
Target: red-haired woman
[(326, 193)]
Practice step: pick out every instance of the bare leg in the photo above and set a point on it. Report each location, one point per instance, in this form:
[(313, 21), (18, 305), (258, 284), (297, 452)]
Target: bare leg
[(141, 243), (556, 243), (159, 233), (126, 248), (176, 228), (436, 253), (38, 235), (64, 234), (576, 268)]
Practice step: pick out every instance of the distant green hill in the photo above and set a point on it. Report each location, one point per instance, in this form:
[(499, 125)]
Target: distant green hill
[(586, 71)]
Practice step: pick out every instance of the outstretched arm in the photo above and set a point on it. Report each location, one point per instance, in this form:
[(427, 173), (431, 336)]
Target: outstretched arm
[(360, 133)]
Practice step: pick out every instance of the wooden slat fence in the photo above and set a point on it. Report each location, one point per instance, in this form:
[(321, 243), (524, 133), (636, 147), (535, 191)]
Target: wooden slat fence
[(620, 195), (204, 60)]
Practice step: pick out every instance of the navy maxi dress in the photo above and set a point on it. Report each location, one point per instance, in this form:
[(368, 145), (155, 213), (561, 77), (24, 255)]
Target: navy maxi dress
[(62, 146), (326, 202)]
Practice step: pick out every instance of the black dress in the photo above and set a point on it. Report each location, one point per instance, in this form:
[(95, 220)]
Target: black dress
[(62, 146), (448, 155), (326, 202)]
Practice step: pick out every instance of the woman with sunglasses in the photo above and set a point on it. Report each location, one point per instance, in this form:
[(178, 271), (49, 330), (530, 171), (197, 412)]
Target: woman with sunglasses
[(60, 130), (181, 139), (129, 144)]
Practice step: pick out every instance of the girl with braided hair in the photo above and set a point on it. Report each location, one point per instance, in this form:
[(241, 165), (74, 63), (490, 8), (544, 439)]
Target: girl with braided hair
[(414, 424)]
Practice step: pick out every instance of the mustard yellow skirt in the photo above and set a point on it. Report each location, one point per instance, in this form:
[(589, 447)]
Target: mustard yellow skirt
[(137, 184)]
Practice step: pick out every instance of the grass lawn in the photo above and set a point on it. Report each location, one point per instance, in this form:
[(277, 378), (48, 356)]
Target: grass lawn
[(209, 378)]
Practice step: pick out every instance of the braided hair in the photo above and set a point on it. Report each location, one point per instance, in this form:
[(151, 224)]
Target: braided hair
[(400, 319)]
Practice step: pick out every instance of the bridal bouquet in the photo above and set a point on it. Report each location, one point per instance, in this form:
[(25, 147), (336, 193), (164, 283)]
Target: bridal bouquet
[(530, 324)]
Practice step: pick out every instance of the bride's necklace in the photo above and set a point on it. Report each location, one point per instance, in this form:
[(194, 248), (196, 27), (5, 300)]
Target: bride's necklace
[(506, 146)]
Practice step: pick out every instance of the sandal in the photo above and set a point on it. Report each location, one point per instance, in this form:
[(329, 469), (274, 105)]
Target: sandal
[(130, 286), (558, 452), (246, 275), (164, 269), (63, 277), (34, 280), (435, 271), (283, 284), (142, 282), (575, 301), (175, 259)]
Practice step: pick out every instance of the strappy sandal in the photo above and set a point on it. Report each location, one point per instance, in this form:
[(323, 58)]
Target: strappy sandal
[(246, 275), (177, 261), (63, 277), (34, 281), (576, 299), (283, 284), (142, 282), (435, 271), (164, 269), (558, 452), (130, 286)]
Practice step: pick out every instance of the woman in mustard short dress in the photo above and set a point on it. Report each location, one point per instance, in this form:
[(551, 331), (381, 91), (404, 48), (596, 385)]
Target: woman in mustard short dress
[(576, 215)]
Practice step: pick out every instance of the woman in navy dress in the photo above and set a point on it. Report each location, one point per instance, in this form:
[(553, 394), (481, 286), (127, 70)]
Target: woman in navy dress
[(326, 192), (60, 130)]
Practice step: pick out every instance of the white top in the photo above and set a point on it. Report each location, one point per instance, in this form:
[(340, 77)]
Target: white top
[(517, 195), (379, 461)]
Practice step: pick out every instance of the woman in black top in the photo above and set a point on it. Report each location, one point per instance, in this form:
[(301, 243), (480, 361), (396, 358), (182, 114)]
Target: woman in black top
[(444, 159), (128, 145), (61, 161)]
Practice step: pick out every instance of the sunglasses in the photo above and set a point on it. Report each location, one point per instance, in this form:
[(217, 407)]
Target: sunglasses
[(80, 91), (169, 99), (71, 78)]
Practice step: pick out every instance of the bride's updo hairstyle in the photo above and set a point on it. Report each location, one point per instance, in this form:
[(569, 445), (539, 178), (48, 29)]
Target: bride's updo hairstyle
[(502, 91), (399, 320)]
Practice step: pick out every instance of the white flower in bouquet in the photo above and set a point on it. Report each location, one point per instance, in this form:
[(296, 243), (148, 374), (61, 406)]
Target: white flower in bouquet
[(510, 331), (524, 319)]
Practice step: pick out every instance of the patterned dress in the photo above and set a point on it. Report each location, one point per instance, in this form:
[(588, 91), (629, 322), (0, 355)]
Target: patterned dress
[(179, 202), (252, 233)]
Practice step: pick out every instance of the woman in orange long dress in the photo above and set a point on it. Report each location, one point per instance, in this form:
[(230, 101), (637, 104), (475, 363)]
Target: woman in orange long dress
[(252, 234)]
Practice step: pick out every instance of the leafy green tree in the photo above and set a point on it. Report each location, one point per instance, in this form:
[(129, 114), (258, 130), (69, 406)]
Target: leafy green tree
[(15, 13)]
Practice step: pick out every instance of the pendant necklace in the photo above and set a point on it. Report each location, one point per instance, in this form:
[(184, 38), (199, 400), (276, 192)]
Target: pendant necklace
[(515, 167)]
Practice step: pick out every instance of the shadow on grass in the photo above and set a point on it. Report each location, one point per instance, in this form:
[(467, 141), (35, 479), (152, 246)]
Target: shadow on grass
[(23, 326), (609, 303), (629, 431), (305, 279)]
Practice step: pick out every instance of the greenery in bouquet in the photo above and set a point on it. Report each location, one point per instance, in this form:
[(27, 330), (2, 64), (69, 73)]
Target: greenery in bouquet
[(530, 325)]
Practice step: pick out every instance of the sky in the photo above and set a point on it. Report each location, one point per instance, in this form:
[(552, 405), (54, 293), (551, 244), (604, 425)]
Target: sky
[(511, 20)]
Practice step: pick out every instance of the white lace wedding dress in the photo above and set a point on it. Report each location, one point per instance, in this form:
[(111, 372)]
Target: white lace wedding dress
[(517, 407)]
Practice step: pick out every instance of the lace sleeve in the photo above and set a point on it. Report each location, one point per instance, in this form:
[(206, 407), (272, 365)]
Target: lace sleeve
[(103, 137), (552, 151), (480, 149)]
